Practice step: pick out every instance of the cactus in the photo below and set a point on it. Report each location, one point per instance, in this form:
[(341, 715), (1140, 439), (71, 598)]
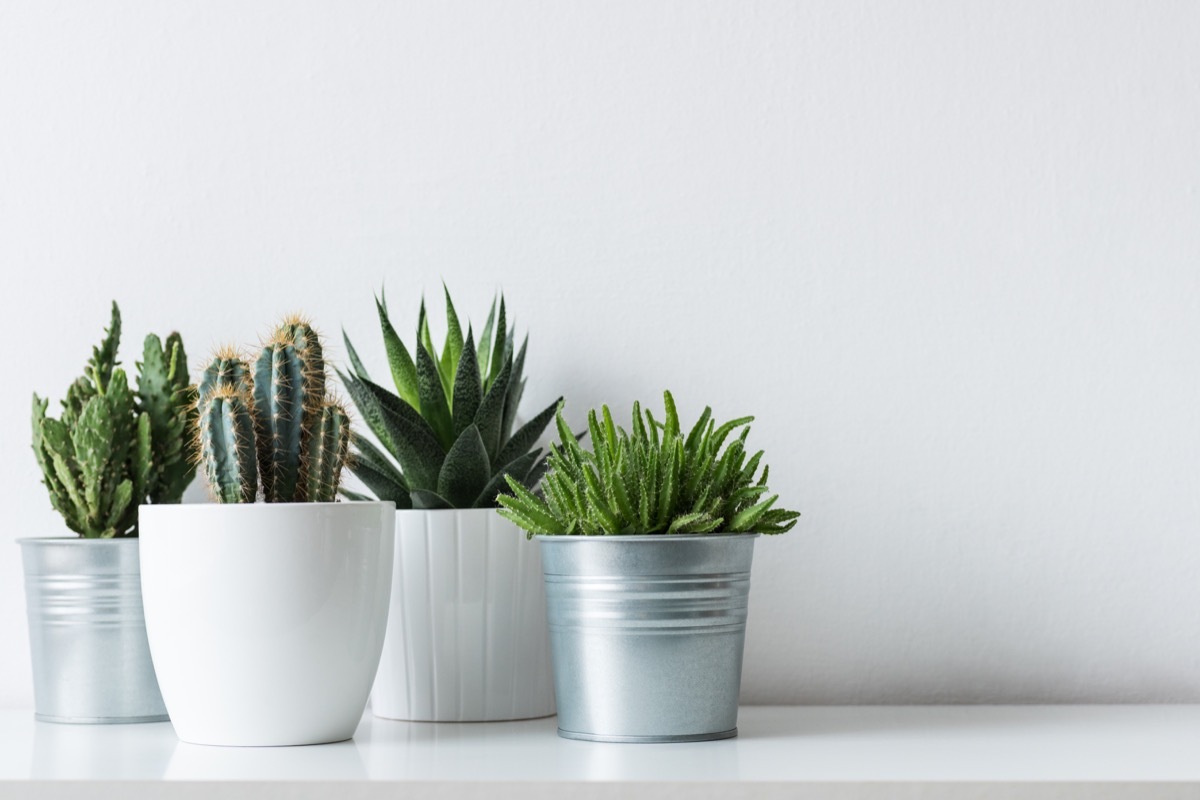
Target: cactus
[(227, 445), (298, 436), (227, 368), (112, 449), (328, 449)]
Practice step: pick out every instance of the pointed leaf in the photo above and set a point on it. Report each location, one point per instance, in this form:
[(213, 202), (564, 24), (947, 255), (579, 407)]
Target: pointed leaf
[(468, 388), (491, 412), (425, 499), (484, 353), (404, 371), (452, 352), (434, 407), (528, 435), (499, 347), (355, 362), (465, 471), (518, 468)]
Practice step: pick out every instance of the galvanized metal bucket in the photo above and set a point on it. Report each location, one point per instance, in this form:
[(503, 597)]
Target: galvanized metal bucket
[(87, 635), (647, 634)]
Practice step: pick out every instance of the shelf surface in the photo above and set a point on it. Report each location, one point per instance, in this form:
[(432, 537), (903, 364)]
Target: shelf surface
[(864, 745)]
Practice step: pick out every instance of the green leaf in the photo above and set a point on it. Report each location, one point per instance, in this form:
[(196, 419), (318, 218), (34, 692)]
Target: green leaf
[(367, 451), (434, 407), (671, 426), (468, 388), (380, 482), (425, 499), (404, 371), (490, 415), (745, 520), (355, 497), (484, 353), (518, 468), (104, 357), (528, 511), (516, 389), (693, 437), (465, 471), (528, 435), (356, 363), (499, 360), (121, 499), (452, 352), (402, 430)]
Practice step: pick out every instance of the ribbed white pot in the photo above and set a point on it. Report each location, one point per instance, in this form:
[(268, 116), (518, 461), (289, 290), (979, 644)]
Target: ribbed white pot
[(466, 636), (266, 621)]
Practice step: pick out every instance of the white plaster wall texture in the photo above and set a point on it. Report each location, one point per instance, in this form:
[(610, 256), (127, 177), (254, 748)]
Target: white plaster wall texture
[(946, 252)]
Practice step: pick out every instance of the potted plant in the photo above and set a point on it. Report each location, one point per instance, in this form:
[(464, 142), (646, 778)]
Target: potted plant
[(266, 620), (114, 447), (646, 545), (466, 638)]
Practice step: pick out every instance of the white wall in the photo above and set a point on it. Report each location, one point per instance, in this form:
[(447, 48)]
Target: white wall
[(947, 252)]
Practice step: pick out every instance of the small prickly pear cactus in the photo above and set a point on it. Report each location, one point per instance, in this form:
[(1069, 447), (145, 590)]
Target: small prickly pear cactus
[(113, 448), (299, 438)]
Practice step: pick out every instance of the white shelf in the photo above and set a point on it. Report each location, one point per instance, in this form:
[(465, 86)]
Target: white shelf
[(841, 752)]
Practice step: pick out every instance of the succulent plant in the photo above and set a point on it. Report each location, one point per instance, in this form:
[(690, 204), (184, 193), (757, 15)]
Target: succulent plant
[(115, 447), (653, 480), (449, 428), (273, 424)]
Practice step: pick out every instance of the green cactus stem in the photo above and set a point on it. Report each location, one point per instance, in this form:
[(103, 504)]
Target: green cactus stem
[(227, 445), (279, 400), (328, 449), (227, 368)]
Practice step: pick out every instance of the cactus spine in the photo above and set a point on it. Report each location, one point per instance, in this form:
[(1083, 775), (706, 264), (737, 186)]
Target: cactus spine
[(299, 437)]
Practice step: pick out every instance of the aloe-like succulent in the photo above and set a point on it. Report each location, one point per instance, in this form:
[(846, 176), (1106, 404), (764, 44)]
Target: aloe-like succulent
[(447, 435), (116, 446), (650, 480), (273, 424)]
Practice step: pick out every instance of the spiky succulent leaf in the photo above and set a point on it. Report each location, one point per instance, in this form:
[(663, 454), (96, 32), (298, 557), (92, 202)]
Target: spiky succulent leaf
[(426, 499), (518, 469), (465, 471), (404, 371), (480, 388), (490, 416), (468, 388), (435, 408), (528, 435), (453, 349), (654, 480)]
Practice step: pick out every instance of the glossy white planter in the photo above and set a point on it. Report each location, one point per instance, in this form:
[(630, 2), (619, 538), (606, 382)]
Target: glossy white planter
[(266, 621), (466, 638)]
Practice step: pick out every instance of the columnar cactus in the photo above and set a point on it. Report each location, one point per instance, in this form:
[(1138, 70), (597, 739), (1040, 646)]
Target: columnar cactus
[(272, 425), (227, 445), (113, 448)]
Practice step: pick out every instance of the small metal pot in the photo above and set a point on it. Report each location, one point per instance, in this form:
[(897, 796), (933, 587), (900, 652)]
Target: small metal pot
[(647, 634), (87, 635)]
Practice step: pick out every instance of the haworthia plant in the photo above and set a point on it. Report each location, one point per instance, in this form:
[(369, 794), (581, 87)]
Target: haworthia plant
[(652, 479), (272, 426), (446, 436), (115, 447)]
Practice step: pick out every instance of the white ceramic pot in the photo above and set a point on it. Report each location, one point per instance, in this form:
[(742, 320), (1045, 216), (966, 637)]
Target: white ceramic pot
[(466, 637), (266, 621)]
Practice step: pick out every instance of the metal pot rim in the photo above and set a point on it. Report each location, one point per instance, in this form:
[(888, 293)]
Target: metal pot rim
[(654, 537)]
